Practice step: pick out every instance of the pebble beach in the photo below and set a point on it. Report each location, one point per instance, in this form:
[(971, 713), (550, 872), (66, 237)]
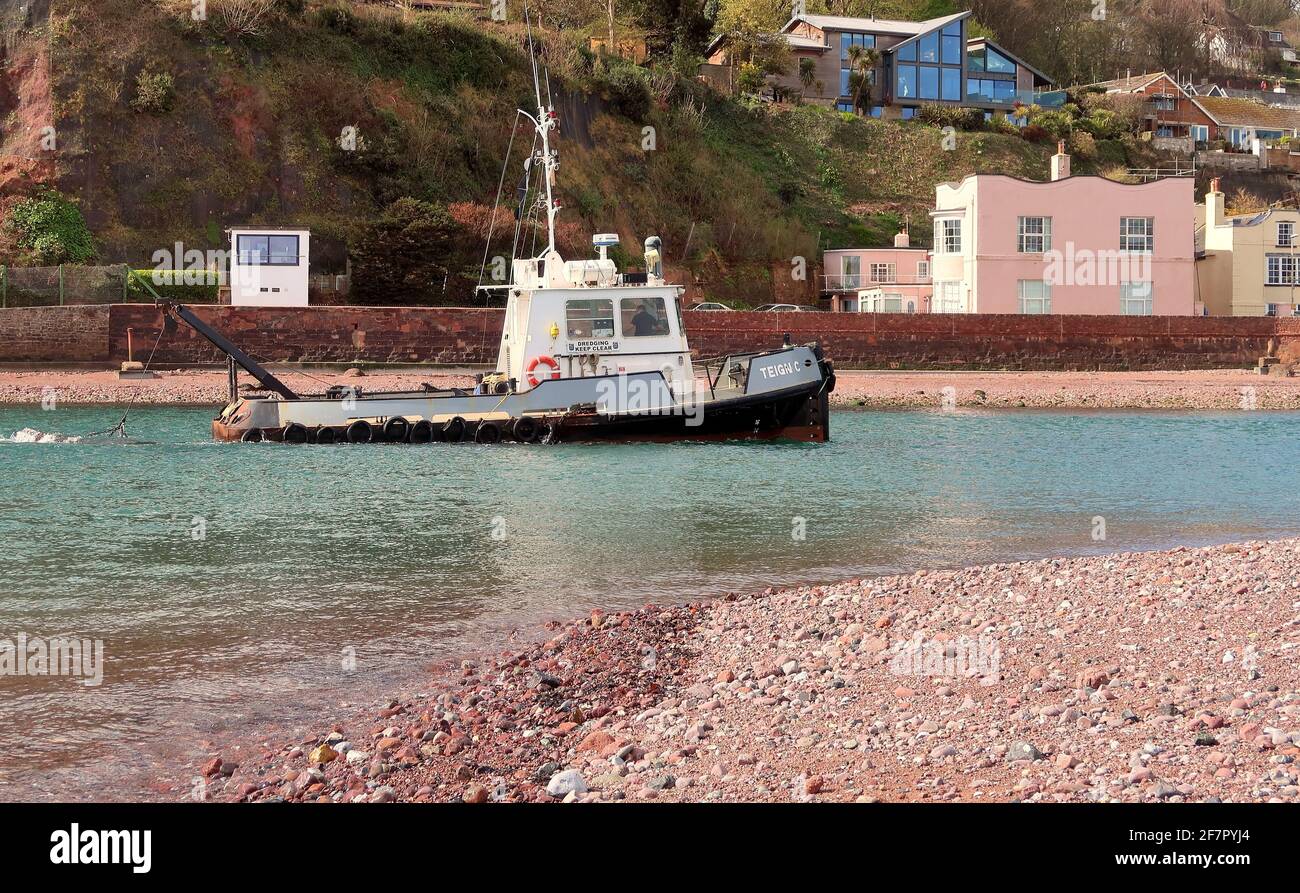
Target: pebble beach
[(1153, 676), (1202, 389)]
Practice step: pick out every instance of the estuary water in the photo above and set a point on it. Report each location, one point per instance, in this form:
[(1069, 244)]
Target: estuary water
[(250, 586)]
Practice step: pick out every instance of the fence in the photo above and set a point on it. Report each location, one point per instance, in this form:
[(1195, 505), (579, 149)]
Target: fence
[(114, 284)]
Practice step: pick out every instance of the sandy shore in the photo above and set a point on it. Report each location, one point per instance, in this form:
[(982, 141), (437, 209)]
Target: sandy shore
[(1129, 677), (1209, 389)]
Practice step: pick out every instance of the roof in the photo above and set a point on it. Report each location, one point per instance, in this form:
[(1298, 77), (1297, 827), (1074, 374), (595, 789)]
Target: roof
[(1132, 82), (1227, 111), (1010, 55), (808, 43), (879, 26)]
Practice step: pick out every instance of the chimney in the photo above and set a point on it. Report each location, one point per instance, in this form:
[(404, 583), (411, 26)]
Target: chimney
[(1214, 205), (902, 240), (1060, 162)]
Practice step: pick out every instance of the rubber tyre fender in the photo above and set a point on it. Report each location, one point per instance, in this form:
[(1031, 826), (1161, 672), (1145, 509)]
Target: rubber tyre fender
[(360, 432)]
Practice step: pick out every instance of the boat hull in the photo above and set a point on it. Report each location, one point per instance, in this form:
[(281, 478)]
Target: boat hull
[(781, 394)]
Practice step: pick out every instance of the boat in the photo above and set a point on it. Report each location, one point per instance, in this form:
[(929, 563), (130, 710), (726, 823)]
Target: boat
[(587, 353)]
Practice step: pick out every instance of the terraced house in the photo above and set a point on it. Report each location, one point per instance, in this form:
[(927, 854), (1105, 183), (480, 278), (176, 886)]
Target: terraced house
[(934, 61)]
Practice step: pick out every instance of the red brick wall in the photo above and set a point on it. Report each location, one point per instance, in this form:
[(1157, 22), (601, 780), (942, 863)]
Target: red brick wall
[(54, 334), (464, 336)]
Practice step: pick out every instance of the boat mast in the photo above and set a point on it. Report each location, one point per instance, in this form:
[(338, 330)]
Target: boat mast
[(544, 123)]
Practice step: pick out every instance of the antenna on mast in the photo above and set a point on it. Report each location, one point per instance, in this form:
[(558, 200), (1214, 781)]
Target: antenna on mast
[(544, 123)]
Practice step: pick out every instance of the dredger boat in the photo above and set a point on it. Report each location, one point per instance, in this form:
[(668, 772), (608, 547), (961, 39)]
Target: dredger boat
[(586, 353)]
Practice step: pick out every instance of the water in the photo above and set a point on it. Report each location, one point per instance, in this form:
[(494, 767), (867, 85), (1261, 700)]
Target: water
[(230, 583)]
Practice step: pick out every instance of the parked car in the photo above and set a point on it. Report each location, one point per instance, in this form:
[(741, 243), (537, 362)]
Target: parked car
[(708, 305), (785, 308)]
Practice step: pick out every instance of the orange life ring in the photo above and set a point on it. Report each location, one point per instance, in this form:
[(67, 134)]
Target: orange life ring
[(542, 360)]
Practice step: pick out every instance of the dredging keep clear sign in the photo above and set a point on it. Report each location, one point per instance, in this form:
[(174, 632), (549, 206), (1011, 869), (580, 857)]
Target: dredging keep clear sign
[(591, 347)]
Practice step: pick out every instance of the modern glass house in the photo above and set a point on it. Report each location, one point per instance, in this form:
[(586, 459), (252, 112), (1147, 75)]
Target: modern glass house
[(934, 61)]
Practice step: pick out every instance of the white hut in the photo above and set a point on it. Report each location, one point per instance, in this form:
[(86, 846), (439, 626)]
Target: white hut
[(268, 266)]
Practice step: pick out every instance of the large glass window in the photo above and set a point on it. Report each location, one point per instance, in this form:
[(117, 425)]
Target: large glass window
[(1135, 298), (1137, 234), (268, 250), (907, 86), (929, 82), (951, 44), (590, 318), (928, 47), (908, 52), (996, 62), (1034, 235), (643, 316), (847, 40), (1035, 296), (950, 87)]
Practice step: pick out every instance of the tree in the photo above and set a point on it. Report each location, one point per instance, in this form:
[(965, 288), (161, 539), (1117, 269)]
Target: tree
[(807, 73), (862, 72), (408, 255)]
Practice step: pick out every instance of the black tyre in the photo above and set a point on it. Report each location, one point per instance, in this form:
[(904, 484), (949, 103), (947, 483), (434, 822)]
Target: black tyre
[(359, 432), (454, 430), (325, 435), (524, 429), (397, 429), (252, 435), (421, 432), (488, 432), (295, 433)]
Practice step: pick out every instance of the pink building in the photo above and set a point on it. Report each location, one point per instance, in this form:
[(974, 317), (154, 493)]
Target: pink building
[(1070, 245), (879, 280)]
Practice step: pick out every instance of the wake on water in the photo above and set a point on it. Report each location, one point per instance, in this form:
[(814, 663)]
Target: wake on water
[(31, 435)]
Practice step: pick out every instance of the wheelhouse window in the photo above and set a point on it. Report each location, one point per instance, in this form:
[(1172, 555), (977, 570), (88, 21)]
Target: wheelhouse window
[(267, 250), (1137, 234), (1035, 296), (1034, 235), (950, 239), (590, 318), (643, 317), (1135, 298)]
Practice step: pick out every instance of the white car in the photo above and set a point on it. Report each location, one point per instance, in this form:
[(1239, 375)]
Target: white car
[(784, 308), (708, 305)]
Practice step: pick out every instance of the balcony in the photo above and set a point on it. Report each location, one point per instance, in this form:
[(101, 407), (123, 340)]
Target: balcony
[(1007, 98), (852, 282)]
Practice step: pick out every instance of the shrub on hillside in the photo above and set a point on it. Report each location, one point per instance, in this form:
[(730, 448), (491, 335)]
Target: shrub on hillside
[(1034, 134), (155, 91), (51, 230), (627, 89), (949, 116)]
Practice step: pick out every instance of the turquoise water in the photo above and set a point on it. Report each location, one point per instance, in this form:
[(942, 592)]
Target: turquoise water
[(231, 583)]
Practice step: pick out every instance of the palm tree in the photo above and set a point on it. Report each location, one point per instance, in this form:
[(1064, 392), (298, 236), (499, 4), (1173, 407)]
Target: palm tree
[(862, 72), (807, 73)]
